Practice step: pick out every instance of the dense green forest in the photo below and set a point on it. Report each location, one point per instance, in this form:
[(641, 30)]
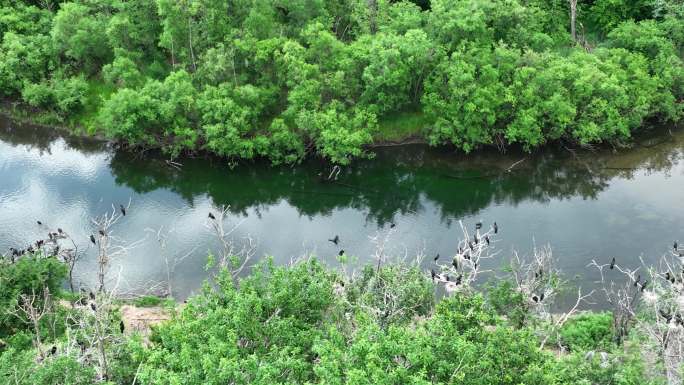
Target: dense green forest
[(280, 79)]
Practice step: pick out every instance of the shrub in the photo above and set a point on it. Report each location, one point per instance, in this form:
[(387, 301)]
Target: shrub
[(588, 331)]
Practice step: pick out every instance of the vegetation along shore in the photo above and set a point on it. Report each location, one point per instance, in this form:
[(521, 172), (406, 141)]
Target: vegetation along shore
[(283, 79)]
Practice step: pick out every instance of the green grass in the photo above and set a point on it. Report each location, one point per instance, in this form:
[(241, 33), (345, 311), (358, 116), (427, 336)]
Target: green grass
[(148, 301), (400, 126)]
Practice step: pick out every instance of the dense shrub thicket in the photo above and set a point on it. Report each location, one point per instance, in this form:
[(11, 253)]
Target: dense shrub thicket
[(283, 78), (307, 324)]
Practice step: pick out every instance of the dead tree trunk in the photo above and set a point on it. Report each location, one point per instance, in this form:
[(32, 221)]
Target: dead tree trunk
[(573, 19)]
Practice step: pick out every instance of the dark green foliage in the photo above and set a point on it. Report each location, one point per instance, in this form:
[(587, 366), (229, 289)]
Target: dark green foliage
[(507, 302), (588, 331), (29, 275), (280, 79)]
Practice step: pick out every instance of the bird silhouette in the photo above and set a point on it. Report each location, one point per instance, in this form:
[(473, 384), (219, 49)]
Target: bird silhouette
[(59, 230), (612, 263), (643, 285), (341, 253), (496, 228), (436, 257), (535, 298), (93, 306), (433, 274), (123, 210), (92, 238), (53, 351), (541, 297), (91, 295), (675, 245), (335, 240), (212, 216), (102, 233), (39, 223), (478, 225), (637, 280), (392, 225), (122, 327), (487, 239), (455, 263), (459, 279)]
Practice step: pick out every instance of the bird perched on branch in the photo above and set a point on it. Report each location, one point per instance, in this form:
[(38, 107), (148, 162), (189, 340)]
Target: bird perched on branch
[(211, 216), (436, 257), (612, 263), (123, 210), (92, 238), (478, 225), (496, 228)]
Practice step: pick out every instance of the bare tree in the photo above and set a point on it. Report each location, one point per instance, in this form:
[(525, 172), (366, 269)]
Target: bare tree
[(109, 247), (33, 308), (465, 266), (232, 256), (651, 301), (170, 263)]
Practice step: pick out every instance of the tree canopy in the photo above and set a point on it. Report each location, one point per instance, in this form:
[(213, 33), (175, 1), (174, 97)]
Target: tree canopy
[(280, 79)]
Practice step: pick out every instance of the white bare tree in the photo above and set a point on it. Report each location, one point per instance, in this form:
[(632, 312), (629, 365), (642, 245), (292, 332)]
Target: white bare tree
[(232, 256)]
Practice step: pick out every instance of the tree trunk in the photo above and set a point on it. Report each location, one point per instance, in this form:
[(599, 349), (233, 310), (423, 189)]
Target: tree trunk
[(372, 15), (573, 19)]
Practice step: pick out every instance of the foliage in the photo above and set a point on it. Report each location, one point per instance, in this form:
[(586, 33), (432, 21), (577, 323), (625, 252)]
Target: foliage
[(588, 331), (28, 275), (282, 79)]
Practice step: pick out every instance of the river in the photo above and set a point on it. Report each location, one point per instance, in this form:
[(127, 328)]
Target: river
[(586, 205)]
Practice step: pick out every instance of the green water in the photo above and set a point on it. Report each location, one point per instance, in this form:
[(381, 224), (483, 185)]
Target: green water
[(586, 205)]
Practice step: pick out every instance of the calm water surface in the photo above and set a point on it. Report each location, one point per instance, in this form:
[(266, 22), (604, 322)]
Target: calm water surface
[(587, 205)]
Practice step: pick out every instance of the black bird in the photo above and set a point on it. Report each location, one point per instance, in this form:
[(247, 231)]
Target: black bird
[(82, 301), (40, 243), (541, 273), (436, 257), (487, 239), (212, 216), (123, 210), (335, 240), (667, 275), (459, 279), (643, 285), (612, 263), (102, 233), (471, 245), (50, 235), (122, 327), (392, 225), (341, 253), (91, 295), (92, 238), (59, 230), (53, 351), (637, 280), (496, 228), (466, 256), (39, 223), (478, 225), (541, 297), (535, 298), (475, 265), (433, 274), (447, 278), (455, 263), (92, 306), (675, 245), (665, 315)]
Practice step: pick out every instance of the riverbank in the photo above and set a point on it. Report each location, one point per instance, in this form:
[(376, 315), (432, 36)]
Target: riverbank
[(383, 323)]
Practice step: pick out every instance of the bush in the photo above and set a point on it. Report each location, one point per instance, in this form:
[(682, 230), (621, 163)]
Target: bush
[(588, 331), (29, 275)]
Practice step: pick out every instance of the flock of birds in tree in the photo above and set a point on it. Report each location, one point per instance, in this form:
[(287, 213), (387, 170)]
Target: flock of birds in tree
[(464, 253)]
